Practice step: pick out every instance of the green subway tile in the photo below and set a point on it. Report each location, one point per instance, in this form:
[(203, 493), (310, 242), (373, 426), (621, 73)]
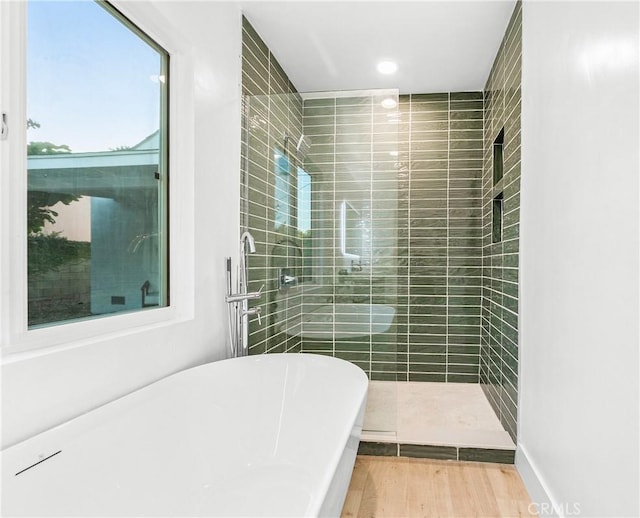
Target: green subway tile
[(327, 120), (487, 455), (463, 305), (462, 330), (463, 105), (353, 101), (462, 378), (475, 124), (467, 115), (429, 319), (464, 365), (389, 376), (428, 452), (314, 103), (352, 356), (464, 339), (417, 328), (312, 114), (418, 117), (466, 96), (464, 349), (316, 345), (430, 125), (429, 377), (381, 449), (465, 133), (380, 367), (462, 362), (428, 97)]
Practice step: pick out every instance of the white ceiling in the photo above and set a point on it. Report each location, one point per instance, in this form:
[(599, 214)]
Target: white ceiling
[(334, 45)]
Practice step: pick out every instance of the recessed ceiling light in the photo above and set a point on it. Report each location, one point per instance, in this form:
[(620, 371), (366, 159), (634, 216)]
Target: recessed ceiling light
[(387, 67), (389, 103)]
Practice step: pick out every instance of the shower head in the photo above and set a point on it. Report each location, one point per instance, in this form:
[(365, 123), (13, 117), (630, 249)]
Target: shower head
[(303, 146)]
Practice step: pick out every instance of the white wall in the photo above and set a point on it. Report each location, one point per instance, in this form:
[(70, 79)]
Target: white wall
[(42, 390), (578, 422)]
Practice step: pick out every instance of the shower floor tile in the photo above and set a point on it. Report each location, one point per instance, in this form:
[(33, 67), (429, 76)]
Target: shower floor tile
[(439, 414)]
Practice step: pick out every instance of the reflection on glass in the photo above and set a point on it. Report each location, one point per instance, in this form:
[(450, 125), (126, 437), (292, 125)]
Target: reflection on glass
[(282, 194), (351, 232), (304, 194)]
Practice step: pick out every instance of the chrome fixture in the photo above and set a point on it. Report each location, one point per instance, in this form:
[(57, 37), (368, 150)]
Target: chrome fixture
[(247, 238), (239, 310), (289, 263), (303, 145), (285, 280), (239, 297)]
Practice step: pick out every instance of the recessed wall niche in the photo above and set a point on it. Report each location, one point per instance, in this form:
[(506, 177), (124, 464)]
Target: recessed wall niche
[(498, 157), (498, 173), (497, 218)]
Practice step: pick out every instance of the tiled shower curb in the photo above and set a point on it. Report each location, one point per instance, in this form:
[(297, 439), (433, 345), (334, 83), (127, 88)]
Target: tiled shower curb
[(427, 451)]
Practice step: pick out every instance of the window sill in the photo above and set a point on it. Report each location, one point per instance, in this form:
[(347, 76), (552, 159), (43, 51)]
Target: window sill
[(70, 335)]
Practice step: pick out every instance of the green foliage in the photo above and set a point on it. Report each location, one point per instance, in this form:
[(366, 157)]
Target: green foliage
[(49, 252), (39, 208), (39, 203), (46, 148)]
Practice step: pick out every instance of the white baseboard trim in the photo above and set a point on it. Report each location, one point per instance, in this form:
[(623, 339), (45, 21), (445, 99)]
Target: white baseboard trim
[(541, 501)]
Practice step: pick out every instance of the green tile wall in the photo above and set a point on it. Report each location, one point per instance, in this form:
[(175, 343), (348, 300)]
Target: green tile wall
[(427, 173), (354, 157), (421, 165), (271, 109), (442, 141), (499, 345)]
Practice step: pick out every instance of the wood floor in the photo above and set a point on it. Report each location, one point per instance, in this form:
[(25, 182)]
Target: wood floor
[(401, 487)]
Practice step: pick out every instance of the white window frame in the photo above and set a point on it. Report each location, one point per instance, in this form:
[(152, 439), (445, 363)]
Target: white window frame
[(17, 340)]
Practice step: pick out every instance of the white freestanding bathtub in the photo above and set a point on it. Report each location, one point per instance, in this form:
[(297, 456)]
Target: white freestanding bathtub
[(268, 435)]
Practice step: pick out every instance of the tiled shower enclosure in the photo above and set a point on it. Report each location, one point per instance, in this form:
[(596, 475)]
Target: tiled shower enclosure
[(374, 208)]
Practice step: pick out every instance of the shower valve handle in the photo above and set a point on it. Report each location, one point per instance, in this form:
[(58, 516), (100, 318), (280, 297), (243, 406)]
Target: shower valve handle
[(254, 311)]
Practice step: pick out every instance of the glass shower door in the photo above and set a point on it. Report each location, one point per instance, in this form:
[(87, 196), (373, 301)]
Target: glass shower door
[(354, 163), (320, 189)]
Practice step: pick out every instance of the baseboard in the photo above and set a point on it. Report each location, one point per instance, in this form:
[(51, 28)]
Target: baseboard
[(541, 501)]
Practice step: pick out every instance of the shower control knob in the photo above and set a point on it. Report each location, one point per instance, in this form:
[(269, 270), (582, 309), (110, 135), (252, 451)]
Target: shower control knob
[(254, 311)]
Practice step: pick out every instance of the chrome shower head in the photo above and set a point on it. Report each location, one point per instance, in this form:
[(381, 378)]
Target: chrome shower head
[(303, 146)]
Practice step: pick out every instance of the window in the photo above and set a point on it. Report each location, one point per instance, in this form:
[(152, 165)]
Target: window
[(97, 164)]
